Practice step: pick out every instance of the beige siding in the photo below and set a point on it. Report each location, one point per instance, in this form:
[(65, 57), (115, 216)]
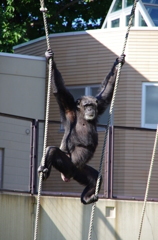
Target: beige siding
[(132, 157), (141, 67), (85, 58)]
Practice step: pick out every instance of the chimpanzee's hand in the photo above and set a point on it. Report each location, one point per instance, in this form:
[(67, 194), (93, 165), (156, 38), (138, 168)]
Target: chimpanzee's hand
[(121, 59), (49, 54)]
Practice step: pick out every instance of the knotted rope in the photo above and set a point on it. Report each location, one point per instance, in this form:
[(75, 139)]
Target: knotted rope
[(43, 10)]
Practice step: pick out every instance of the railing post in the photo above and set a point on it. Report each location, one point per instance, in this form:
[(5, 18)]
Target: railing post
[(108, 179), (111, 160), (34, 156)]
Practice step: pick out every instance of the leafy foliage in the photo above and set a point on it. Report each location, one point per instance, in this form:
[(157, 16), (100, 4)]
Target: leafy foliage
[(21, 21)]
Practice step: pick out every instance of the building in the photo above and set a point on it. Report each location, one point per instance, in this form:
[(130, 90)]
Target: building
[(94, 52), (84, 59)]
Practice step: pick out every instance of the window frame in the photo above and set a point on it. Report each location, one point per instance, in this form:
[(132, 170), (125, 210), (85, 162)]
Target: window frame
[(86, 87), (143, 106)]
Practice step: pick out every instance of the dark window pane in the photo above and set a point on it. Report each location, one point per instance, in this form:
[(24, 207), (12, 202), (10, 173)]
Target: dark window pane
[(151, 106), (115, 23), (128, 3), (117, 6), (153, 12)]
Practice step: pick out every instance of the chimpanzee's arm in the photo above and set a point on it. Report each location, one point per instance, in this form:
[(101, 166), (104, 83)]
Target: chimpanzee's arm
[(63, 96), (105, 95)]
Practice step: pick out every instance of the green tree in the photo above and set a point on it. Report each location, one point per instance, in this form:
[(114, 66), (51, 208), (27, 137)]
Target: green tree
[(21, 21)]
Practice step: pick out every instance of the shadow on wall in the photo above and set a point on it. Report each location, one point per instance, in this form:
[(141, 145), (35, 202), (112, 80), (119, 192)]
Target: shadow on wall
[(101, 226), (67, 218)]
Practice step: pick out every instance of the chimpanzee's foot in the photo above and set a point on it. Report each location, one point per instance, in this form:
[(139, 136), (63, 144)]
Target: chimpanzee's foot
[(44, 171), (47, 168), (89, 200)]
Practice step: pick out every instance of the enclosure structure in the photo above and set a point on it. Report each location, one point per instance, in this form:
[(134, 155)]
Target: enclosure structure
[(84, 59)]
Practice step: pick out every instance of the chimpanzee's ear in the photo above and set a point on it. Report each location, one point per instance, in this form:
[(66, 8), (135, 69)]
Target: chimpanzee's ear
[(78, 103)]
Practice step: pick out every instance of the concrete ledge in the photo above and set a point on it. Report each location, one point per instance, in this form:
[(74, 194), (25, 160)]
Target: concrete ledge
[(65, 218)]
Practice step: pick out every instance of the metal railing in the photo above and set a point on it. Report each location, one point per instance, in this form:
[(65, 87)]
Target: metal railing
[(127, 159)]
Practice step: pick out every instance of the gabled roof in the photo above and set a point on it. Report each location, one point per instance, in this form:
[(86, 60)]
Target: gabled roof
[(146, 14)]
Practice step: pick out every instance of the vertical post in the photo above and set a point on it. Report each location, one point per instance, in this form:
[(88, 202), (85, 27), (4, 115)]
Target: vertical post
[(34, 156), (108, 189), (31, 153), (111, 160), (35, 163), (106, 175)]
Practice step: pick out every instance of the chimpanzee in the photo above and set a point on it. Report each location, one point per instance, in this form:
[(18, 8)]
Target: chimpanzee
[(80, 138)]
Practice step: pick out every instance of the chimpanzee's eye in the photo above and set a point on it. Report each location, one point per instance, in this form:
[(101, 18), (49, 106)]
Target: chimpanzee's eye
[(78, 102)]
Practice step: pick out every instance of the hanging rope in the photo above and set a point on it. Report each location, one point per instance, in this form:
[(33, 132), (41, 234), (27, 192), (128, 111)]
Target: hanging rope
[(148, 183), (43, 10), (109, 120)]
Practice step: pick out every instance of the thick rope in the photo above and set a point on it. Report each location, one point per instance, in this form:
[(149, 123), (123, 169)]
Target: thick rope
[(43, 9), (109, 120), (148, 183)]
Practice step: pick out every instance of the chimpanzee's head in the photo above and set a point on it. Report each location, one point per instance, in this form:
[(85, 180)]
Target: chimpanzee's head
[(87, 105)]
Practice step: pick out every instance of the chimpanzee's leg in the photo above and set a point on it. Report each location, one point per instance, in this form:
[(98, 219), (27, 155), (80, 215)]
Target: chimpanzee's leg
[(87, 176), (59, 160)]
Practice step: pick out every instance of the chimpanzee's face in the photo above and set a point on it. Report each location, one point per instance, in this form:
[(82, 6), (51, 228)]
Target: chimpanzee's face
[(88, 107)]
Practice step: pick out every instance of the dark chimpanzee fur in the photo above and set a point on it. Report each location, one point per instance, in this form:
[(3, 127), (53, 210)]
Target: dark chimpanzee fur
[(80, 138)]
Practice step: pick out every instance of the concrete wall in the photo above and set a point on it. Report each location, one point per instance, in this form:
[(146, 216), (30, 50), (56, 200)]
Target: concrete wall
[(16, 217), (66, 219)]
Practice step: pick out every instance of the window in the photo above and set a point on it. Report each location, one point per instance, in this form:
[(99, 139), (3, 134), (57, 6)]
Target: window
[(128, 3), (117, 6), (141, 20), (153, 12), (150, 105), (127, 20), (152, 9), (115, 23), (146, 14), (79, 91)]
